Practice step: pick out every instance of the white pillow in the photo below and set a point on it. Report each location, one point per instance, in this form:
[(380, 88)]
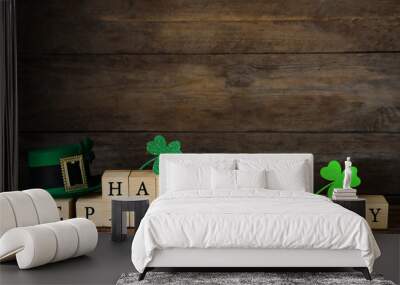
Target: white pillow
[(292, 180), (215, 163), (251, 178), (223, 179), (281, 174), (181, 177)]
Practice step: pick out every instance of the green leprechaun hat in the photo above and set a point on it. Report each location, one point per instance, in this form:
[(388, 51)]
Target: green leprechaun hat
[(64, 171)]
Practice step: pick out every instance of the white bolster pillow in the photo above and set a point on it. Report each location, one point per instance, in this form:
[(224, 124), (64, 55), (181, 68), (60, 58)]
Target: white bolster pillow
[(26, 208), (87, 235), (23, 208), (66, 238), (33, 246), (7, 218), (46, 207), (41, 244)]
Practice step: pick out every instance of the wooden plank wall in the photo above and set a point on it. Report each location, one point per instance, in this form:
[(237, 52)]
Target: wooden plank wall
[(320, 76)]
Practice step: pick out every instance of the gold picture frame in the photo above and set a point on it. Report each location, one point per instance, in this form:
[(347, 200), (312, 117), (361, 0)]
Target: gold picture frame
[(64, 162)]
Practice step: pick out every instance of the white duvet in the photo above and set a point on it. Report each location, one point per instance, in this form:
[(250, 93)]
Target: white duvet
[(250, 219)]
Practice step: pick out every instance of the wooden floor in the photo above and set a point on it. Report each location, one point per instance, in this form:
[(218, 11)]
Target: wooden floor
[(103, 266)]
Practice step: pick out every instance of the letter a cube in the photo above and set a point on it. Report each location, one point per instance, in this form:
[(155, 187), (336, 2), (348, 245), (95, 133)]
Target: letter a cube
[(142, 183), (115, 183)]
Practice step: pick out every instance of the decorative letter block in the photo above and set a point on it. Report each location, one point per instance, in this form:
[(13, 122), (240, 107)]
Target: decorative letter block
[(142, 183), (377, 209), (115, 183), (95, 209), (66, 208)]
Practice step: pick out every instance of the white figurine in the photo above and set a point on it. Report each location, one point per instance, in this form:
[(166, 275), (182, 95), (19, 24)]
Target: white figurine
[(347, 174)]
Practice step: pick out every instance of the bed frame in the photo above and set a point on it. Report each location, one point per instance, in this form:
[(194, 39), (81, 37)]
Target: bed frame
[(242, 259)]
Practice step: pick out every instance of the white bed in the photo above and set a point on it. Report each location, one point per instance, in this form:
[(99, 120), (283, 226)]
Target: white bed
[(250, 227)]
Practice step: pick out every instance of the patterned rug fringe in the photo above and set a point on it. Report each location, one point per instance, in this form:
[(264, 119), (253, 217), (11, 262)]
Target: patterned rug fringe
[(244, 278)]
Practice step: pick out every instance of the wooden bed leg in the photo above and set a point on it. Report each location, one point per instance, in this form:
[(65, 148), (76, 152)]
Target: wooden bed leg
[(142, 275), (364, 271)]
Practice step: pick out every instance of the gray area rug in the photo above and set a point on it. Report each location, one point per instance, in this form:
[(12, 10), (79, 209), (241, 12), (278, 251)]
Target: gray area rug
[(225, 278)]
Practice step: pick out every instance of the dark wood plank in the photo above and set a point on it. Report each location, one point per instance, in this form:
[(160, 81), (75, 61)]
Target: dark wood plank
[(224, 26), (71, 34), (376, 155), (210, 10), (316, 93)]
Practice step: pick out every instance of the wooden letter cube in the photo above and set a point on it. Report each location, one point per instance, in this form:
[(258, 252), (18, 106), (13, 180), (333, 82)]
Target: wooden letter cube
[(66, 207), (377, 209), (142, 183), (95, 209), (115, 183)]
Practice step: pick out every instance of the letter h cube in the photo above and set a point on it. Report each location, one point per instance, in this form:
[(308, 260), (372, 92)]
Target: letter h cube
[(115, 183)]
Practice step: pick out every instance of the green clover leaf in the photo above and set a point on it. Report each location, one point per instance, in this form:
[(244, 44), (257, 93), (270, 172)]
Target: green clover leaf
[(158, 146), (355, 179), (174, 147), (333, 172)]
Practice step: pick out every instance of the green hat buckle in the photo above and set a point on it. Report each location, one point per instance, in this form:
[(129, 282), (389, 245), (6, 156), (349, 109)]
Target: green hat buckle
[(64, 171)]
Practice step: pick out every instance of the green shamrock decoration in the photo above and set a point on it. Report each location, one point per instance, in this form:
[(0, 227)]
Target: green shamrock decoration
[(158, 146), (333, 172)]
